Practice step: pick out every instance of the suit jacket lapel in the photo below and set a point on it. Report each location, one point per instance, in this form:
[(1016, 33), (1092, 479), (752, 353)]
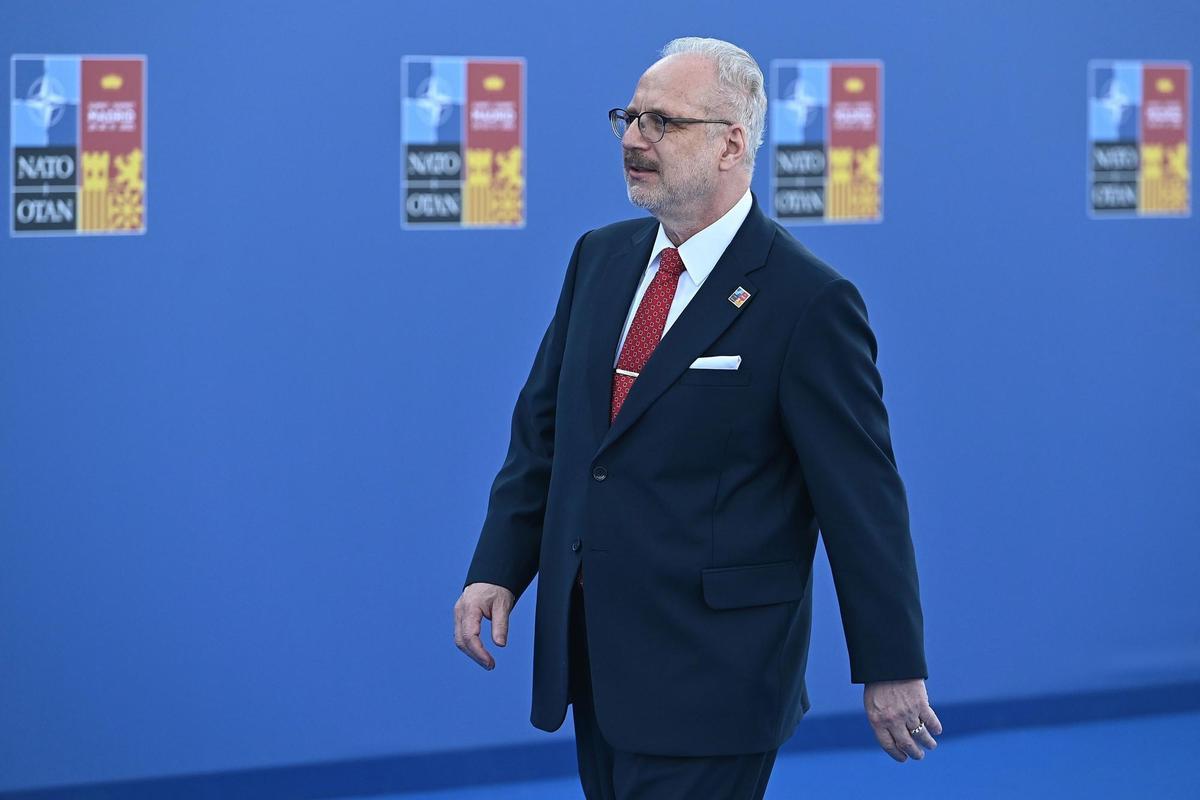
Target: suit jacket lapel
[(617, 285), (706, 317)]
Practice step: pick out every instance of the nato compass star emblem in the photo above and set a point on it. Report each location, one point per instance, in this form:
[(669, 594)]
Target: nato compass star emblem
[(798, 102), (433, 99), (45, 101), (1115, 101)]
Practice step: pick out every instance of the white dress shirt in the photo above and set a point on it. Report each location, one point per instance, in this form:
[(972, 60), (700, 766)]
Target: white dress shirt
[(699, 254)]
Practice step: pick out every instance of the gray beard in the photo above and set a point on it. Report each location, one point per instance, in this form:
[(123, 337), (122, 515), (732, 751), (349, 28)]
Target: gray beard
[(644, 199), (675, 199)]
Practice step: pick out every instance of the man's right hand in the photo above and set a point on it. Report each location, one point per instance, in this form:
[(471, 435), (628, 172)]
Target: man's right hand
[(481, 600)]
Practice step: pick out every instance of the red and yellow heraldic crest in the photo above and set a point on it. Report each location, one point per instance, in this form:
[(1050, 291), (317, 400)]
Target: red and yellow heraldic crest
[(495, 175), (112, 180), (855, 176), (1164, 177)]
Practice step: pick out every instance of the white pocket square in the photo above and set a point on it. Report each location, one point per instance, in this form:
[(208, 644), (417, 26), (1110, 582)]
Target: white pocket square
[(717, 362)]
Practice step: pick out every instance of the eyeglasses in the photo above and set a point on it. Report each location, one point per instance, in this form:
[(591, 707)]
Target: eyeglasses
[(651, 124)]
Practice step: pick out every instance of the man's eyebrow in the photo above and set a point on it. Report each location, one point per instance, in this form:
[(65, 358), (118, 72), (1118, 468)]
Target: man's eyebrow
[(655, 110)]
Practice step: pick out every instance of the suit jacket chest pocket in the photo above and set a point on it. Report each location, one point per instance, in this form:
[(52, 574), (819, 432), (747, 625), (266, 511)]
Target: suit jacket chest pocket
[(715, 377)]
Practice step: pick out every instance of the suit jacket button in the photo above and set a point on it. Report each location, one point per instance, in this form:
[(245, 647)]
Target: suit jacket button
[(575, 546), (599, 473)]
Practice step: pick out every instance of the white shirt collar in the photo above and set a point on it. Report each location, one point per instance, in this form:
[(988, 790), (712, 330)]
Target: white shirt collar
[(702, 252)]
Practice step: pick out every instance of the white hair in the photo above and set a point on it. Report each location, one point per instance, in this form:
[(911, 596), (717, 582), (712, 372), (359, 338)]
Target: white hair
[(740, 84)]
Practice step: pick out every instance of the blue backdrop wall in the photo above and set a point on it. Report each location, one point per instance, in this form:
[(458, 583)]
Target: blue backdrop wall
[(244, 458)]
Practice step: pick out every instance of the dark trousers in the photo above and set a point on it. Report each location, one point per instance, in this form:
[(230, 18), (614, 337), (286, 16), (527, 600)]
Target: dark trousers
[(609, 774)]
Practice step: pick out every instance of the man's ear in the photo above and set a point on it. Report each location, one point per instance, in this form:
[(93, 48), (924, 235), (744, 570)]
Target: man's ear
[(734, 152)]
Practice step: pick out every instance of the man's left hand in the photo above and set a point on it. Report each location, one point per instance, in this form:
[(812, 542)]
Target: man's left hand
[(895, 709)]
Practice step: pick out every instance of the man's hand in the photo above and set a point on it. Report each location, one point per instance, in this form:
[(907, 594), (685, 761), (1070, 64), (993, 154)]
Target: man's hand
[(895, 709), (481, 600)]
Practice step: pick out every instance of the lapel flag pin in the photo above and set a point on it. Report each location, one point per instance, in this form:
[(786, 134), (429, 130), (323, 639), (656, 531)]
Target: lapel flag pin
[(739, 296)]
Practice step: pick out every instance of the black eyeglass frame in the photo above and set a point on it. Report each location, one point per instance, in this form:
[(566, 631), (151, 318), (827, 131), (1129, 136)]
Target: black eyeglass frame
[(621, 114)]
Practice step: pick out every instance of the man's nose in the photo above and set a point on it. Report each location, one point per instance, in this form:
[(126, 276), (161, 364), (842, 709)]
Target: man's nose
[(632, 139)]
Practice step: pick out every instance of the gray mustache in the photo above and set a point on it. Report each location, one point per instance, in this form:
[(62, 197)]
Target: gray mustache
[(639, 163)]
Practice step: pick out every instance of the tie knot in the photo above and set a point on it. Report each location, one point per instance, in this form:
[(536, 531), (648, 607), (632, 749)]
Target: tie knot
[(670, 261)]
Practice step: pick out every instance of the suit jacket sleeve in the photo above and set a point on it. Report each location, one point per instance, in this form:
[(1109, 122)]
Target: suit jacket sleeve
[(509, 544), (831, 398)]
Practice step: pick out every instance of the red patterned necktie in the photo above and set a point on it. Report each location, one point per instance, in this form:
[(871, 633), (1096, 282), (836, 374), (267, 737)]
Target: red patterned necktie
[(647, 327)]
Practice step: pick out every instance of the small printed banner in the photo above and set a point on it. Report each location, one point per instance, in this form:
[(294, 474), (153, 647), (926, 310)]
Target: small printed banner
[(464, 142), (78, 133), (827, 141), (1139, 122)]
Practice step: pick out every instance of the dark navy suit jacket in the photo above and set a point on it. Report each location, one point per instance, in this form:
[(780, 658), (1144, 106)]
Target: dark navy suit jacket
[(695, 515)]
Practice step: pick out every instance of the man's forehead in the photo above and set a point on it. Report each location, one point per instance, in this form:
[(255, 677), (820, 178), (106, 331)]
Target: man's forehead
[(675, 83)]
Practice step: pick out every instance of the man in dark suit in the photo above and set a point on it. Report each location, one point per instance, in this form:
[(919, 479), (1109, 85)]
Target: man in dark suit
[(704, 399)]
